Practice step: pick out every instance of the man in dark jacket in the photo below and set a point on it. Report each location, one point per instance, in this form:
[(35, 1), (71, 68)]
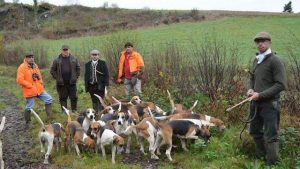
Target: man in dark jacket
[(267, 80), (96, 78), (66, 70)]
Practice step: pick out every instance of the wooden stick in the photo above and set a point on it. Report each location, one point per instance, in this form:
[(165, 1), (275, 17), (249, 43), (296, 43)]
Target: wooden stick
[(242, 102)]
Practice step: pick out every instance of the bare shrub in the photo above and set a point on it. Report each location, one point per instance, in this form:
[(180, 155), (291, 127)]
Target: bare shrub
[(13, 56), (292, 95), (216, 67), (113, 47), (195, 14), (2, 49)]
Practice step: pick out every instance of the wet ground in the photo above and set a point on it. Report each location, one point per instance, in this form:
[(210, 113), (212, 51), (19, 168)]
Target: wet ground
[(16, 140), (137, 158)]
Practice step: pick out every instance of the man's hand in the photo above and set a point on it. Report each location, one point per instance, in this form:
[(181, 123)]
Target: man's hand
[(250, 92), (254, 96), (118, 81), (139, 75)]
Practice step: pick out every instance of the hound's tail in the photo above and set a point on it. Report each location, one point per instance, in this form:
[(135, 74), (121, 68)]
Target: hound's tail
[(171, 101), (2, 123), (37, 117), (194, 105), (68, 114)]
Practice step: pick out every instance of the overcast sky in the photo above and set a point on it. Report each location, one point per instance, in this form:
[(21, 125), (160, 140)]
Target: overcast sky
[(236, 5)]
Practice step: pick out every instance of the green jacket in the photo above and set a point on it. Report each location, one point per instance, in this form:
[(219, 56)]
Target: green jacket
[(268, 78)]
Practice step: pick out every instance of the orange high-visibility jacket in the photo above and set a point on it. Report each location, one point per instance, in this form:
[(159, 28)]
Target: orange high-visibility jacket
[(30, 87), (135, 63)]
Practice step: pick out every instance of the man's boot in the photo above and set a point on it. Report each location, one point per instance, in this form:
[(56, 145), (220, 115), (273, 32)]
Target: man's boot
[(260, 149), (48, 108), (272, 150), (74, 106), (27, 115), (65, 104), (95, 106)]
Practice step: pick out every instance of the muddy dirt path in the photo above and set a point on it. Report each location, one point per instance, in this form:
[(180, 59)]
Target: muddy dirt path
[(16, 140)]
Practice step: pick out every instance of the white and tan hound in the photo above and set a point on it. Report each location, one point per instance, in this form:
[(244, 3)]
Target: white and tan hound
[(75, 132), (49, 134)]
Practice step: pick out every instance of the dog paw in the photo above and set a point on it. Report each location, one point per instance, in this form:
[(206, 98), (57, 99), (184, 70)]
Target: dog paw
[(154, 157), (46, 162)]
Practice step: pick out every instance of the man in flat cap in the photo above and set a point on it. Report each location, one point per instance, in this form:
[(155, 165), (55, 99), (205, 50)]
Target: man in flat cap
[(96, 78), (66, 70), (131, 67), (29, 78), (268, 79)]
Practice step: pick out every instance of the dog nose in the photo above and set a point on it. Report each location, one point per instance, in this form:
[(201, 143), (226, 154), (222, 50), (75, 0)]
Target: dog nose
[(119, 123)]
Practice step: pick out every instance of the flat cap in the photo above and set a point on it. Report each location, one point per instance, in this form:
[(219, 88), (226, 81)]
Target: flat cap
[(65, 47), (29, 54), (95, 51), (262, 36)]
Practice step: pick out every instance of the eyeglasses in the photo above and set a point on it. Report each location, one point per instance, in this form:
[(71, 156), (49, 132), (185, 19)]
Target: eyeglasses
[(65, 49)]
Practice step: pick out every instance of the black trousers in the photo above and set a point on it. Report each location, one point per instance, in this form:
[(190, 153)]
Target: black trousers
[(93, 89), (65, 92), (265, 125)]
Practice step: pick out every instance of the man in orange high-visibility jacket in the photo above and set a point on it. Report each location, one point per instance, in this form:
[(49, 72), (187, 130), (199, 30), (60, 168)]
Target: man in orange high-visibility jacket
[(131, 67), (30, 79)]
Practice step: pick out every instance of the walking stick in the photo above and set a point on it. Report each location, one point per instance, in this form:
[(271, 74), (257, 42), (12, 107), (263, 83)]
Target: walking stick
[(242, 102)]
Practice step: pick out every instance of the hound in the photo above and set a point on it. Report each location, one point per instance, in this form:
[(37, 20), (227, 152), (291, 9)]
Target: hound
[(141, 106), (106, 136), (49, 133), (207, 120), (1, 153), (182, 129), (146, 129), (75, 132), (87, 119), (179, 108)]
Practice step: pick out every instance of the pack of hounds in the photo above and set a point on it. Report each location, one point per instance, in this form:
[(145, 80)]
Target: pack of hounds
[(119, 121)]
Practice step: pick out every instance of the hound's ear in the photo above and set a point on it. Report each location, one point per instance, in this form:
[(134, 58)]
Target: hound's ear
[(129, 113), (84, 113), (116, 140), (62, 128), (112, 122)]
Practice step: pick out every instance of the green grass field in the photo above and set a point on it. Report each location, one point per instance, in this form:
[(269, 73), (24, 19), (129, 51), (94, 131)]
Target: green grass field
[(238, 31), (225, 150)]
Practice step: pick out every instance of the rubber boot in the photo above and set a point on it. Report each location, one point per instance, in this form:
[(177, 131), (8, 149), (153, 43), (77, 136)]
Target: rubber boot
[(65, 104), (95, 106), (27, 115), (260, 149), (74, 106), (48, 108), (272, 150)]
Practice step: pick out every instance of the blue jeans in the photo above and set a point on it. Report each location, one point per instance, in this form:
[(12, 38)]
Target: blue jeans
[(47, 99)]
